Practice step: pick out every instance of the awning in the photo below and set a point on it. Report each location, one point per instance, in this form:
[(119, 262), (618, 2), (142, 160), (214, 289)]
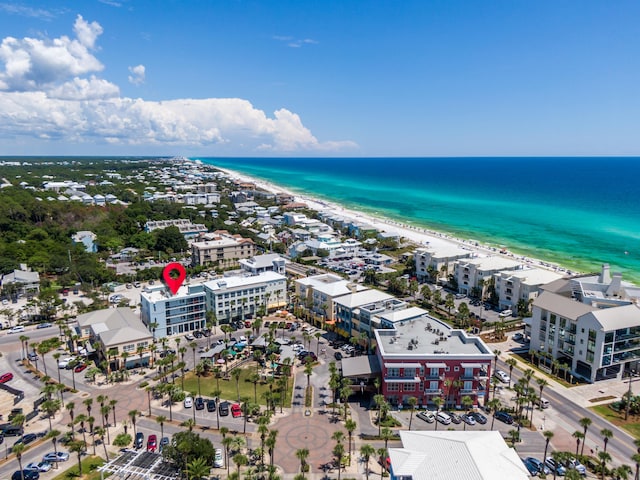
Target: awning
[(402, 380), (330, 322), (435, 365), (401, 365), (472, 365)]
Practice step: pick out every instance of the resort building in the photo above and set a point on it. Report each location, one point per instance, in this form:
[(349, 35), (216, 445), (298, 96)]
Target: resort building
[(186, 226), (473, 274), (424, 358), (437, 262), (239, 297), (517, 289), (347, 310), (426, 455), (221, 250), (20, 282), (165, 314), (270, 262), (590, 325), (116, 335), (318, 293)]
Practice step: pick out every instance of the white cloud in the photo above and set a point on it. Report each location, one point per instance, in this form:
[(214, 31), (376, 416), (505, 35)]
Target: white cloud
[(50, 91), (23, 11), (137, 74)]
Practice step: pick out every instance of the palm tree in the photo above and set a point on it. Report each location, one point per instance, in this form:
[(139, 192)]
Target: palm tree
[(541, 384), (100, 431), (379, 401), (236, 373), (604, 457), (53, 435), (18, 449), (494, 404), (496, 355), (302, 455), (467, 403), (189, 423), (387, 434), (512, 363), (636, 459), (438, 403), (548, 435), (133, 414), (366, 451), (161, 419), (413, 401), (350, 425), (78, 447), (585, 422), (578, 435), (606, 435), (197, 469)]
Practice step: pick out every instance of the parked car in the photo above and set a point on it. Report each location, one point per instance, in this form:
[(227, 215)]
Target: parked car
[(218, 458), (139, 441), (468, 419), (223, 408), (163, 443), (518, 337), (5, 377), (17, 329), (427, 416), (189, 337), (531, 468), (337, 356), (152, 443), (33, 356), (542, 468), (443, 418), (480, 418), (80, 367), (504, 417), (455, 418), (65, 362), (211, 405), (38, 467), (56, 457), (188, 402), (236, 411), (574, 463), (199, 403), (555, 466), (26, 474), (45, 325), (502, 376)]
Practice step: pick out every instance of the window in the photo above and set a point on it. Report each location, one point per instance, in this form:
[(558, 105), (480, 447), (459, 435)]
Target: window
[(393, 372), (409, 387), (456, 369), (392, 387)]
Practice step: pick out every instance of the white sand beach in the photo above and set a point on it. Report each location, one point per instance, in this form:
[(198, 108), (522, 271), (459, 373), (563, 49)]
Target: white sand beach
[(418, 235)]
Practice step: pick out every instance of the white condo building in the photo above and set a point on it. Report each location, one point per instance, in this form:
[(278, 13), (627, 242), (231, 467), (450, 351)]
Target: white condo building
[(513, 286), (165, 314), (236, 297), (431, 260), (590, 325), (319, 292), (472, 273)]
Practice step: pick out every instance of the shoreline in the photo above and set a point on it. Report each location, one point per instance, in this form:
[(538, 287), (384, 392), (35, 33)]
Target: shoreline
[(420, 236)]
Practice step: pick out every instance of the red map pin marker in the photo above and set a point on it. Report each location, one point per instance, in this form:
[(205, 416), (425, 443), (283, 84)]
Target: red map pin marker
[(174, 283)]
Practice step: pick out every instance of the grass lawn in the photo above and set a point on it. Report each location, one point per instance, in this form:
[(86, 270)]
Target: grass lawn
[(228, 387), (89, 469), (632, 425)]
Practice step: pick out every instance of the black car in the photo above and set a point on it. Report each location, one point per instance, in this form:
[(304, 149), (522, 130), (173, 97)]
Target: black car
[(504, 417), (455, 418), (28, 475), (199, 403), (211, 405), (139, 440), (197, 334), (224, 408), (532, 468), (28, 438), (480, 418), (337, 356)]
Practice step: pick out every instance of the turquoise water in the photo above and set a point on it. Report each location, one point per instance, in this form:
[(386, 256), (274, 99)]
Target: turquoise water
[(577, 212)]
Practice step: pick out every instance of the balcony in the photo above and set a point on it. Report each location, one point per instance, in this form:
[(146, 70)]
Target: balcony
[(433, 377), (433, 391), (471, 391)]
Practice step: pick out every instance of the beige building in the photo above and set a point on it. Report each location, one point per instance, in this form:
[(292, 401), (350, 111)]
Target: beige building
[(114, 332), (222, 250), (319, 292)]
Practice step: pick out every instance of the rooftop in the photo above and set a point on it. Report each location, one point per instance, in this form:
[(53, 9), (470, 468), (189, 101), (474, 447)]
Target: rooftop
[(425, 335)]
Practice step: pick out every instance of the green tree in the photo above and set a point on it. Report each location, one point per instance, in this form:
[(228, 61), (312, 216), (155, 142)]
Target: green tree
[(197, 469), (413, 401), (366, 451), (585, 423)]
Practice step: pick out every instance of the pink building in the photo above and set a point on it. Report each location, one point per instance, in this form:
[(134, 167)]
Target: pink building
[(424, 358)]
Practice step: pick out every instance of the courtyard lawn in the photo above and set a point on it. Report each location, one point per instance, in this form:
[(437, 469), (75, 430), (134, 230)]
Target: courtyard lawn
[(89, 469), (632, 426), (228, 388)]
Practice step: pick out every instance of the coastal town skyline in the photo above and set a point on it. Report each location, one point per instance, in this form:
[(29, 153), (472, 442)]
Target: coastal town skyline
[(298, 79)]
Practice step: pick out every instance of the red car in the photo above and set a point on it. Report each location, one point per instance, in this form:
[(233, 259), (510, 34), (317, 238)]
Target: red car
[(152, 443), (4, 378), (80, 367), (236, 411)]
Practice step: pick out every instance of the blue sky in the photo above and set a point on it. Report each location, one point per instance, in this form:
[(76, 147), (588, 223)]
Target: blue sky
[(322, 78)]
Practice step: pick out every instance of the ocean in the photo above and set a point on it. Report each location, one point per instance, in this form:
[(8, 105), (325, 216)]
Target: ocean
[(576, 212)]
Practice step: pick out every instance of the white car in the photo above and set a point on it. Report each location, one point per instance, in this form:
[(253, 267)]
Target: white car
[(64, 362), (218, 459), (427, 416), (502, 376), (17, 329), (188, 402)]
